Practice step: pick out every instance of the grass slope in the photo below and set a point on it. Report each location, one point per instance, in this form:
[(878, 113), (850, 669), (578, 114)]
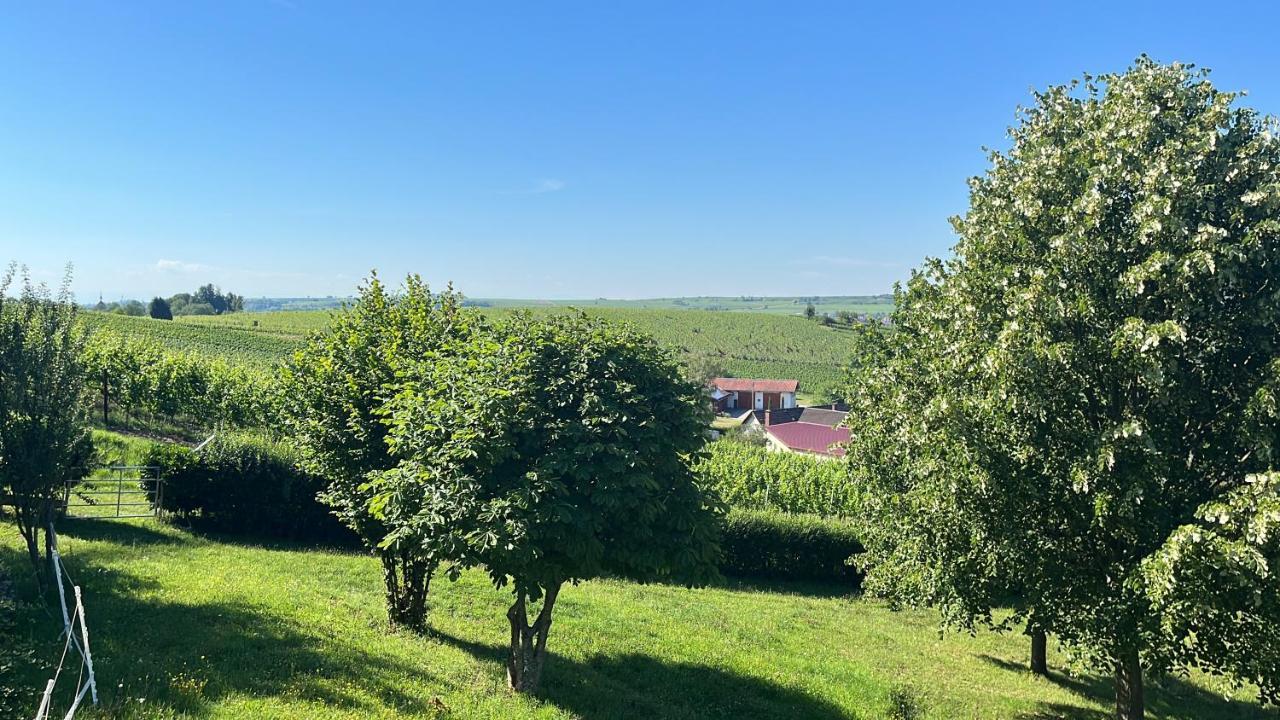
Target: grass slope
[(748, 344), (185, 626)]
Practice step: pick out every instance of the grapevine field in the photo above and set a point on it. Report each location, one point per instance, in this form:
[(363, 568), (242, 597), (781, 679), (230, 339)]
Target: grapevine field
[(876, 305), (747, 344), (236, 345)]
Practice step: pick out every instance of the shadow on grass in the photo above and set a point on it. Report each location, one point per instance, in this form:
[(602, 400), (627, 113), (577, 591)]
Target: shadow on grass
[(605, 687), (184, 656), (1166, 696), (116, 531), (145, 531), (805, 588)]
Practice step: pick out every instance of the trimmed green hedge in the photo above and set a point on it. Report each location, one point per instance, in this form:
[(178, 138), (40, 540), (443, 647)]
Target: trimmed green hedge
[(784, 546), (245, 484), (241, 483)]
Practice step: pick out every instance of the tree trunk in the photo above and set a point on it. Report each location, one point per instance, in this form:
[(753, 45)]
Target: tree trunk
[(407, 582), (32, 536), (29, 527), (528, 650), (1039, 652), (1129, 701)]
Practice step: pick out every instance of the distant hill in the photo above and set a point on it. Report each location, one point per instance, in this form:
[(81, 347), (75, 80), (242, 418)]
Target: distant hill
[(265, 304), (772, 343), (874, 305)]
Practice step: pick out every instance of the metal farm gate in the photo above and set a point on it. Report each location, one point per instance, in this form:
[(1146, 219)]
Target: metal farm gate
[(116, 491)]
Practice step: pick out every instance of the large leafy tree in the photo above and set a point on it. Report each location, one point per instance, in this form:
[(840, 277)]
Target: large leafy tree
[(1091, 375), (550, 452), (334, 393), (44, 437)]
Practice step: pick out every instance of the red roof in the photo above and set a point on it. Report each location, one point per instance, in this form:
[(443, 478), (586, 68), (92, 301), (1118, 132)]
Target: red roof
[(754, 385), (810, 437)]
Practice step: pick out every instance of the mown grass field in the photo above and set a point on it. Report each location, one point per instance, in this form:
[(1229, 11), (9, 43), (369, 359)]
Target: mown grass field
[(193, 627), (748, 344)]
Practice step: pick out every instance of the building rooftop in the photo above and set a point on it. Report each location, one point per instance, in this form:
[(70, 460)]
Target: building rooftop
[(755, 385), (829, 416), (810, 437)]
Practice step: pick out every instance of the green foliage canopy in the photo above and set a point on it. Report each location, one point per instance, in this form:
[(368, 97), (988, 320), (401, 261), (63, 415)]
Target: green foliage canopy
[(552, 451), (44, 437), (159, 309), (1093, 366), (334, 394)]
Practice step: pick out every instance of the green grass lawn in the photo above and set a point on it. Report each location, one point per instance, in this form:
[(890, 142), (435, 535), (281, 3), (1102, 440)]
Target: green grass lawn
[(187, 626), (724, 422)]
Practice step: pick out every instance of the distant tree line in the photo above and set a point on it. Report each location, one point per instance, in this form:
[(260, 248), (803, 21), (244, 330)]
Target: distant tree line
[(840, 317), (206, 300)]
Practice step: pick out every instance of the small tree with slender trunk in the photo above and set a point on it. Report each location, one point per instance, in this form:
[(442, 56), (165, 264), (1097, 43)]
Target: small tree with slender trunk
[(550, 452), (334, 394), (44, 437)]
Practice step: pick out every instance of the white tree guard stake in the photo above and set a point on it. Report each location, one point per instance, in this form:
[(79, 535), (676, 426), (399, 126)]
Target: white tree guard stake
[(71, 713), (62, 594), (56, 559), (69, 620), (88, 656), (42, 712)]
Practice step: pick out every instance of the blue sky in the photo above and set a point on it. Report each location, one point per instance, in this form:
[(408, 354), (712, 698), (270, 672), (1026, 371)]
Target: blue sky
[(544, 149)]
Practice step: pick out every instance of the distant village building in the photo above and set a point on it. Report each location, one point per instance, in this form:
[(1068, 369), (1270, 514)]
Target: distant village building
[(730, 394), (809, 430), (769, 407)]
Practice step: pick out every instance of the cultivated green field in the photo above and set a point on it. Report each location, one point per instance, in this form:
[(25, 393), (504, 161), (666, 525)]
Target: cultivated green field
[(236, 345), (749, 344), (863, 304), (831, 304), (192, 627)]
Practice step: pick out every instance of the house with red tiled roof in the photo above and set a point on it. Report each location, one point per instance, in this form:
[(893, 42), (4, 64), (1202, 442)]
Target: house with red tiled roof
[(730, 394), (810, 430)]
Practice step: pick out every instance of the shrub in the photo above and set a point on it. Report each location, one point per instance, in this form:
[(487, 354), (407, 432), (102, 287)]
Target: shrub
[(753, 477), (244, 484), (775, 545), (906, 703)]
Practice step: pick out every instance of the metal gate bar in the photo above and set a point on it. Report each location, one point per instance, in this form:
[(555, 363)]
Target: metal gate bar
[(92, 496)]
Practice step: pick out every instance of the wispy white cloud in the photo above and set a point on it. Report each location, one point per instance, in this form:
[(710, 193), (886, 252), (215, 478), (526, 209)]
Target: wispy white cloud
[(541, 186), (547, 185), (220, 272), (179, 266)]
